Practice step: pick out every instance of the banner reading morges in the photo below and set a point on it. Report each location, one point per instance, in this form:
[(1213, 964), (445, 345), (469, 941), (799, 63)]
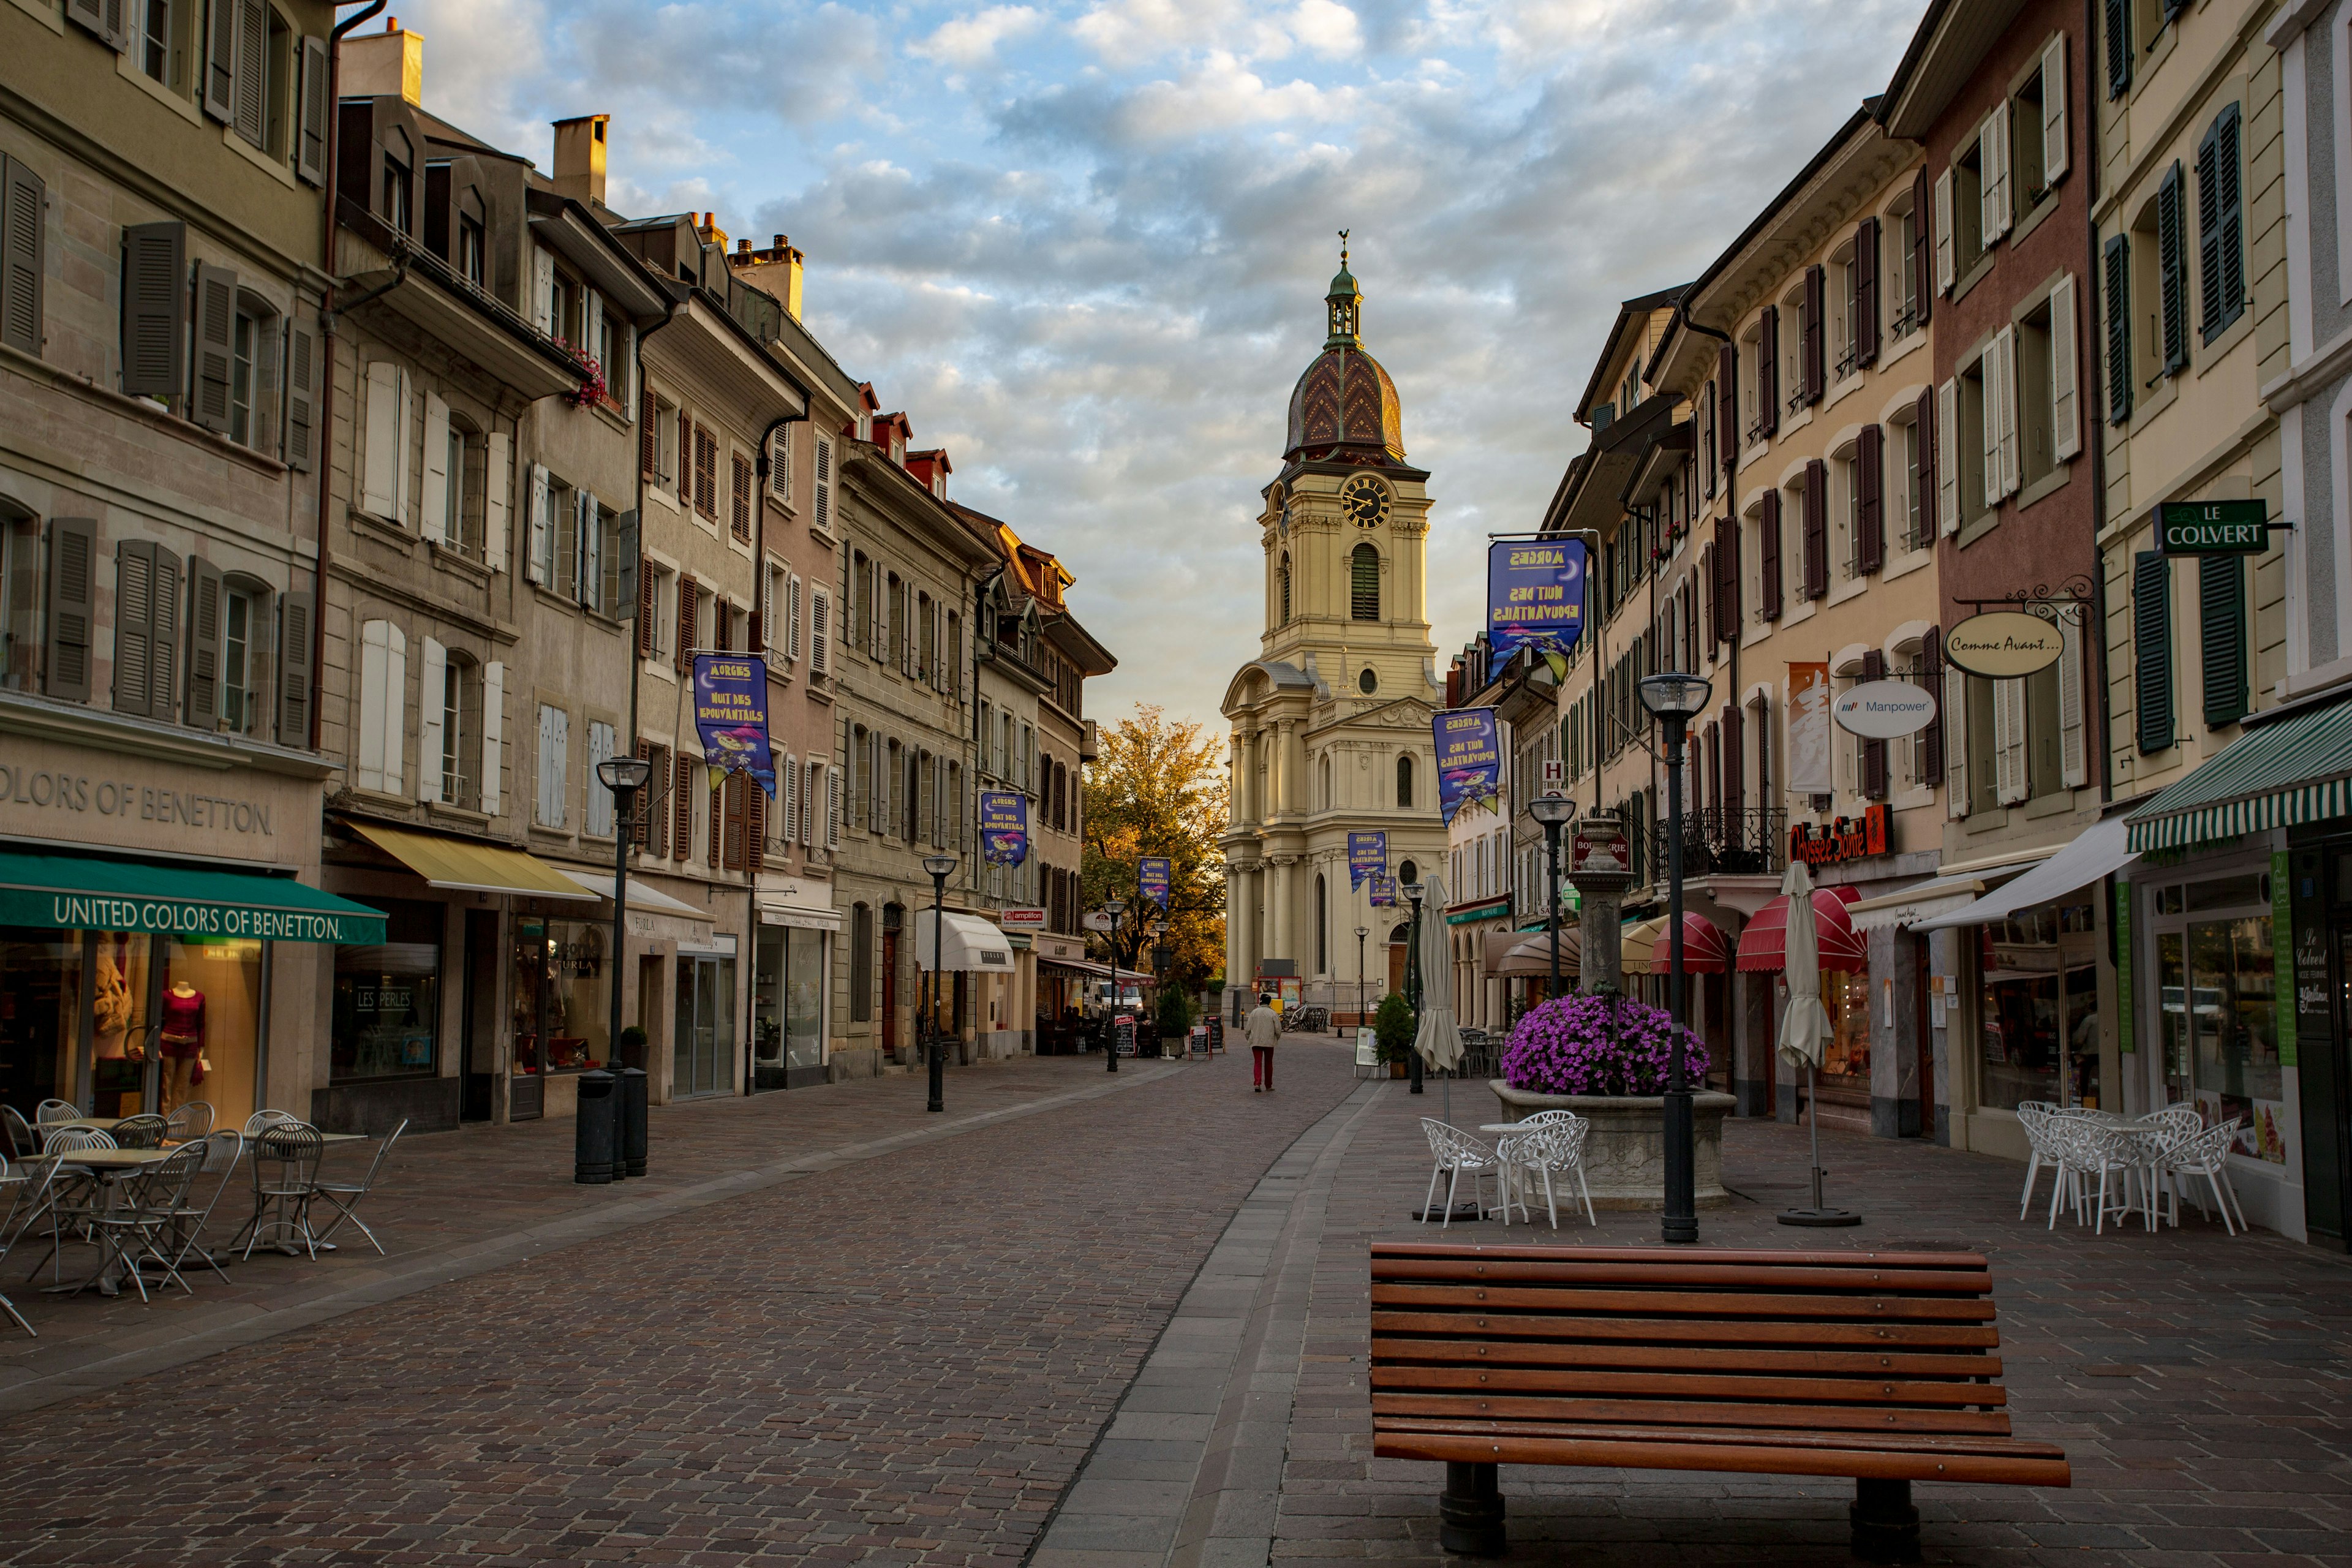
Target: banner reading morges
[(1003, 826), (1367, 856), (1535, 598), (730, 714), (1469, 760)]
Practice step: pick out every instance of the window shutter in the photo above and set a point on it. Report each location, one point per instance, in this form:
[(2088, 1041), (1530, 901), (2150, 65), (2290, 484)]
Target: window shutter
[(2208, 230), (303, 371), (2119, 49), (681, 812), (793, 618), (1955, 717), (640, 818), (382, 452), (296, 621), (833, 809), (1925, 440), (1817, 529), (433, 677), (626, 568), (1988, 432), (542, 290), (720, 823), (560, 772), (2152, 648), (543, 804), (220, 63), (1921, 261), (1727, 404), (91, 14), (2173, 266), (1931, 677), (2066, 416), (1873, 753), (204, 643), (1735, 754), (763, 623), (1992, 161), (134, 626), (590, 589), (1870, 485), (648, 435), (780, 467), (820, 633), (738, 496), (2221, 637), (1945, 273), (688, 622), (1865, 293), (311, 136), (706, 472), (367, 745), (648, 607), (2220, 226), (2053, 110), (1768, 372), (1769, 557), (395, 708), (536, 559), (2073, 755), (73, 560), (252, 68), (599, 813), (155, 314), (755, 826), (433, 499), (494, 723), (215, 344), (497, 469), (1816, 330), (2233, 215), (2116, 261), (821, 503), (2012, 470), (2012, 782)]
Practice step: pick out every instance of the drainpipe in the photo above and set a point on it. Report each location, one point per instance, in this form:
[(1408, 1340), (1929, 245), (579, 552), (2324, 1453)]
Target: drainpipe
[(2096, 416), (760, 468), (1731, 694), (326, 421)]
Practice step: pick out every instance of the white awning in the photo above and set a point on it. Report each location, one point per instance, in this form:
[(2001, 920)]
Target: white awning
[(2103, 847), (644, 899), (967, 942)]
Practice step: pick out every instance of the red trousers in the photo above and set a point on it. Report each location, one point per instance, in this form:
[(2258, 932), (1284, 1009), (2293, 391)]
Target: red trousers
[(1262, 1065)]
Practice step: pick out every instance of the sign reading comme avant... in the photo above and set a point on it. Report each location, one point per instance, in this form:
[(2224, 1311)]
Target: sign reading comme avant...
[(2004, 645)]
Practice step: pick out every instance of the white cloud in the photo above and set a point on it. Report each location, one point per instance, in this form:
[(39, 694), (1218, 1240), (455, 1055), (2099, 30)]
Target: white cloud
[(970, 42), (1326, 28)]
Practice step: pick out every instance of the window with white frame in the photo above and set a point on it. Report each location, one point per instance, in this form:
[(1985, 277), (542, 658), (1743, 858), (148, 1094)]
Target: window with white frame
[(554, 765), (1900, 269), (1844, 311), (1916, 519), (600, 798), (1845, 514)]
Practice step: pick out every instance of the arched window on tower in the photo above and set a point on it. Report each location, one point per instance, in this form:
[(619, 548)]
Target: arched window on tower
[(1327, 784), (1364, 583), (1286, 590), (1404, 783)]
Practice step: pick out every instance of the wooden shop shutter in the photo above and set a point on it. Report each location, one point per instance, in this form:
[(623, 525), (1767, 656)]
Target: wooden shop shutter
[(1769, 557), (1816, 343), (155, 312), (1869, 510), (1931, 675), (1873, 753), (1768, 372), (73, 560), (1865, 293), (2152, 648), (1816, 566), (2221, 637)]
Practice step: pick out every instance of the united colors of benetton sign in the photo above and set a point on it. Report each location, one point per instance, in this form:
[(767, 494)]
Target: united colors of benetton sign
[(2213, 528)]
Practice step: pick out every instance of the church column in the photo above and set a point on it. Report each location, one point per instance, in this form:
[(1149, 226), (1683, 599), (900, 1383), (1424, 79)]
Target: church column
[(1236, 754), (1278, 913), (1294, 769), (1253, 788), (1237, 936)]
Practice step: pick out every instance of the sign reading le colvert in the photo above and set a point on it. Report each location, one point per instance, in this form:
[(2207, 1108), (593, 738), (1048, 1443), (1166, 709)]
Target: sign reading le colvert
[(2213, 528), (2002, 645)]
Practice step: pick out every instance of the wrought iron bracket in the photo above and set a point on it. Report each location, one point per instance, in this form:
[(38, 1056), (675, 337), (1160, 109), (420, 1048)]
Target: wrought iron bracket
[(2076, 590)]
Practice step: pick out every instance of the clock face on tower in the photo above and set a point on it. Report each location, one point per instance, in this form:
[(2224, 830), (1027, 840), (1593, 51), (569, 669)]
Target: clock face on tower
[(1366, 499)]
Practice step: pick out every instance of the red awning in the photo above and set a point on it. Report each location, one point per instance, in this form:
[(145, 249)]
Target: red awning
[(1841, 946), (1705, 950)]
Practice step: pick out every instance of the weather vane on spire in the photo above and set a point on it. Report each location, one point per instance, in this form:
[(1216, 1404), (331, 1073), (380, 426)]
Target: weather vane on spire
[(1343, 248)]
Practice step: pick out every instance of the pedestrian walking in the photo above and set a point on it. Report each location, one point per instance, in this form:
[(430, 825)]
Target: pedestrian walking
[(1262, 1028)]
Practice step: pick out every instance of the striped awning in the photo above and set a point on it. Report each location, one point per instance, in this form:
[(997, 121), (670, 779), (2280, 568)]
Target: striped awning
[(2295, 770)]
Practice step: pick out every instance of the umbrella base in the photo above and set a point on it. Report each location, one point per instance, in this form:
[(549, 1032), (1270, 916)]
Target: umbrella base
[(1435, 1214), (1818, 1216)]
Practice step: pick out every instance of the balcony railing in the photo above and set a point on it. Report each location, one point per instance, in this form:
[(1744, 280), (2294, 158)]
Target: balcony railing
[(1721, 841)]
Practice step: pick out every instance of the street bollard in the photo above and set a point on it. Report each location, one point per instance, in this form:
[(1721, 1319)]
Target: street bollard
[(592, 1142), (632, 1143)]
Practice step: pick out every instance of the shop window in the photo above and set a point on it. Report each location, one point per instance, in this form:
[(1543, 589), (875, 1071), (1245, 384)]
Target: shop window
[(2038, 1014), (562, 1006), (388, 998), (1845, 1059), (2217, 997)]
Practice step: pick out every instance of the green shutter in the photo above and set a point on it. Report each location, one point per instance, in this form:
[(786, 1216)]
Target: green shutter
[(2220, 226), (2119, 367), (2152, 648), (2221, 629), (2119, 51), (2172, 264)]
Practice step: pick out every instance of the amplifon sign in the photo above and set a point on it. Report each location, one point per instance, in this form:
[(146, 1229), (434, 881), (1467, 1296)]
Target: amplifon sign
[(1847, 838)]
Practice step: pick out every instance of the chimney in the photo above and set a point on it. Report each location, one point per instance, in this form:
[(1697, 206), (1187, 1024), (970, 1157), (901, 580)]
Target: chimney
[(382, 65), (580, 158), (776, 271)]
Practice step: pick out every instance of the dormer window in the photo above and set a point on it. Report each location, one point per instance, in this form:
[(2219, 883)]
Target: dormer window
[(898, 448), (473, 250), (399, 162)]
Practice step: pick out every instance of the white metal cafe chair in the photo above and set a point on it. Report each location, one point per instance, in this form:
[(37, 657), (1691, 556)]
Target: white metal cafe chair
[(1545, 1146), (1457, 1152), (49, 1112), (29, 1191), (344, 1198), (2208, 1155)]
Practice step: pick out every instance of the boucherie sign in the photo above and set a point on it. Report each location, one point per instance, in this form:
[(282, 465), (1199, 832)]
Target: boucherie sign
[(1847, 838)]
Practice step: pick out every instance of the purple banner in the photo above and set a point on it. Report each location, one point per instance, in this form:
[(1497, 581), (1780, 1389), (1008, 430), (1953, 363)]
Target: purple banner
[(730, 715)]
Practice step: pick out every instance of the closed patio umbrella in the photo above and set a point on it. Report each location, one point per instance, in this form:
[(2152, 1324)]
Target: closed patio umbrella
[(1805, 1027), (1439, 1041)]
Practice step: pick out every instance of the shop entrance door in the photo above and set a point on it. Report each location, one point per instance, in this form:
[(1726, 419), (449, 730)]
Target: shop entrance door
[(478, 1095), (703, 1055), (889, 990)]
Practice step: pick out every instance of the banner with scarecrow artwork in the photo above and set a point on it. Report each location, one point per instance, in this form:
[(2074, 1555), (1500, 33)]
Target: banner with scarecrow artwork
[(730, 715), (1469, 760)]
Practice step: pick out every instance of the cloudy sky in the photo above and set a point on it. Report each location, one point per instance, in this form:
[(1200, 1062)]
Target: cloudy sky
[(1084, 245)]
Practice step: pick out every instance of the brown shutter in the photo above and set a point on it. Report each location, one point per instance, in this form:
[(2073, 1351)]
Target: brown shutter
[(1873, 753), (648, 605), (1931, 675), (23, 219), (1727, 407), (1870, 482), (154, 310), (641, 824), (685, 459), (687, 618), (706, 473), (215, 344), (648, 435), (1923, 248), (1816, 332), (681, 794), (1769, 565), (1817, 529), (73, 571), (1768, 372), (1865, 293), (203, 644), (1713, 595), (1923, 426), (1735, 763), (297, 618), (738, 499), (720, 825), (134, 626), (252, 118), (755, 826), (722, 629)]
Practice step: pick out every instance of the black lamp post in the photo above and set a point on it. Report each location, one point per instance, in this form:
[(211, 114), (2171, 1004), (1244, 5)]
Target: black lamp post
[(624, 777), (1414, 893), (1551, 813), (1674, 699), (1361, 932), (940, 867), (1114, 908)]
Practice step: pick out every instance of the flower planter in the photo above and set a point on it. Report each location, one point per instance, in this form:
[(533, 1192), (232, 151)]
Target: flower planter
[(1624, 1152), (1396, 1069)]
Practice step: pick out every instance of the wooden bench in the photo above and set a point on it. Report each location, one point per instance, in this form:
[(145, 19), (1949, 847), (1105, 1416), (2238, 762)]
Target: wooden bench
[(1877, 1366)]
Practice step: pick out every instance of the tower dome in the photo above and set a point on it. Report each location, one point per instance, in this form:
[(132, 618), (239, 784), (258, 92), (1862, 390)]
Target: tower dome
[(1344, 405)]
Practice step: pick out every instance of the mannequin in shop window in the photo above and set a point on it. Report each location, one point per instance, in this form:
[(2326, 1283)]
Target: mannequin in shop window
[(181, 1043)]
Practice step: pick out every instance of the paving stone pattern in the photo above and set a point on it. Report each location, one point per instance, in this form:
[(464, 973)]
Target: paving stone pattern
[(2199, 1383), (903, 1361)]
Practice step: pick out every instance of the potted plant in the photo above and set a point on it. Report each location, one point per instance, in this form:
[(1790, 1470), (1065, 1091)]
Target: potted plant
[(1392, 1030), (1175, 1017), (1604, 1056)]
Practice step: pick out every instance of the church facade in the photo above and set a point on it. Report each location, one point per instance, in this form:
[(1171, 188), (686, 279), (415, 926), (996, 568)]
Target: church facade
[(1332, 720)]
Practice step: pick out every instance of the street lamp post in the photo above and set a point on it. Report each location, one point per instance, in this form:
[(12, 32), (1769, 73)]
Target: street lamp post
[(1414, 893), (1674, 699), (1551, 813), (1361, 932), (624, 777), (1114, 908), (939, 867)]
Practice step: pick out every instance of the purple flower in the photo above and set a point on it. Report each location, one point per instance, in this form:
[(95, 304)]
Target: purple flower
[(1583, 1044)]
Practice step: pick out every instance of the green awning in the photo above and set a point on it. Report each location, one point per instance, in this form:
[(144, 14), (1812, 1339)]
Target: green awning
[(2295, 770), (62, 892)]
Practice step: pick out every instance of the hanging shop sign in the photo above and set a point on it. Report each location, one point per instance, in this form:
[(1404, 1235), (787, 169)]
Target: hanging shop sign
[(1384, 893), (730, 715), (1003, 826), (1367, 856), (1153, 876), (1021, 919), (1847, 838), (2004, 645), (2213, 526), (1808, 728), (1469, 760), (1535, 598), (1884, 709), (1095, 920)]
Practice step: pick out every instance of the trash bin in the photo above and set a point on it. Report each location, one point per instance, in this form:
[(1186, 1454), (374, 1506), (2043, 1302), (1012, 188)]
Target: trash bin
[(631, 1143), (592, 1140)]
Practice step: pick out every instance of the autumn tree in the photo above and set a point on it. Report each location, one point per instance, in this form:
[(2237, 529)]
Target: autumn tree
[(1157, 786)]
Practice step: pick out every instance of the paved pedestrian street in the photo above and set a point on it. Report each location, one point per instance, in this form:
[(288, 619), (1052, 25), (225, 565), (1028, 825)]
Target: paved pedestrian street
[(1079, 1322)]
